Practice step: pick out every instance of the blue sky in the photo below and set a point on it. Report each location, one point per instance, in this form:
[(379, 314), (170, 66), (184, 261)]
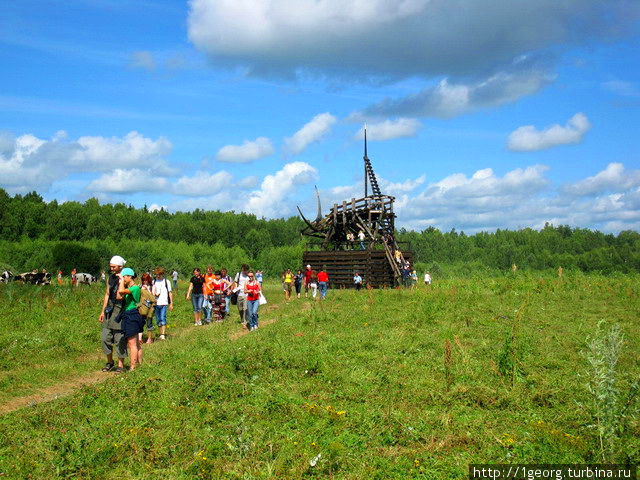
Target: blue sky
[(481, 114)]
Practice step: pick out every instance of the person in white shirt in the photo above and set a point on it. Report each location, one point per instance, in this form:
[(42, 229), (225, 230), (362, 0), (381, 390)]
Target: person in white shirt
[(361, 237), (164, 299), (174, 275), (357, 281), (239, 282), (427, 279)]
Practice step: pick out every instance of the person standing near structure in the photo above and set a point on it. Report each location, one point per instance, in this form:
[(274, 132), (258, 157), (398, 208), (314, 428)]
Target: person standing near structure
[(164, 300), (308, 275), (361, 238), (112, 335), (357, 281), (323, 283)]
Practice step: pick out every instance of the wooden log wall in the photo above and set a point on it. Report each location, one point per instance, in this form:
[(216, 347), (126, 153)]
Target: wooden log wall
[(341, 265)]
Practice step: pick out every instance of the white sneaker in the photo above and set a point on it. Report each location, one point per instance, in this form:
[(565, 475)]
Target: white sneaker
[(198, 323), (162, 337)]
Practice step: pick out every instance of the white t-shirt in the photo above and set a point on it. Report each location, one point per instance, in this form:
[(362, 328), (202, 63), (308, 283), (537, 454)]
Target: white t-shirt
[(161, 289), (175, 275), (357, 279), (427, 278), (361, 236), (241, 279)]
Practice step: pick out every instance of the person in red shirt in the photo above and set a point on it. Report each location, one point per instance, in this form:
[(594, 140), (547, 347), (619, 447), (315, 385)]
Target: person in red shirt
[(218, 287), (323, 283), (308, 275), (252, 290)]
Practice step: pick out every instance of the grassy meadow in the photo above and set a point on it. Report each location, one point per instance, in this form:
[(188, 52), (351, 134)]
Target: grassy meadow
[(383, 384)]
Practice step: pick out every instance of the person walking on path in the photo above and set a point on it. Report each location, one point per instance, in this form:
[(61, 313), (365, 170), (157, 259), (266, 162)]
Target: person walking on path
[(357, 281), (297, 281), (239, 282), (164, 300), (308, 275), (74, 279), (287, 281), (252, 290), (323, 283), (132, 321), (60, 277), (174, 276), (112, 335), (146, 283), (259, 277), (195, 293), (227, 291), (414, 279), (207, 290), (218, 288)]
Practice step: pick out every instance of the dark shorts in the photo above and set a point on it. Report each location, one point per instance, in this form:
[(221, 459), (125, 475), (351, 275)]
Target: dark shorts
[(132, 323)]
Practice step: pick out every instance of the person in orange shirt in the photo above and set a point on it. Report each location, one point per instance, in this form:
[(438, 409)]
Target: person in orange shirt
[(207, 289)]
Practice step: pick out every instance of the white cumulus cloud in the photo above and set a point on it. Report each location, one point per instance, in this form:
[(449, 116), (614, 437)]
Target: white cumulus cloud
[(528, 138), (271, 199), (128, 181), (614, 178), (390, 129), (311, 132), (249, 151), (202, 184)]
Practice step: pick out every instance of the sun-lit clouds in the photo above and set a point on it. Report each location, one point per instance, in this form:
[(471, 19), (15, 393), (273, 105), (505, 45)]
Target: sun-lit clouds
[(202, 183), (27, 162), (390, 129), (614, 178), (143, 59), (271, 199), (128, 181), (311, 132), (249, 151), (393, 39), (528, 138), (448, 99)]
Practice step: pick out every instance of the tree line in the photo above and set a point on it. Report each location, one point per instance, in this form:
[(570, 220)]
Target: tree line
[(52, 235)]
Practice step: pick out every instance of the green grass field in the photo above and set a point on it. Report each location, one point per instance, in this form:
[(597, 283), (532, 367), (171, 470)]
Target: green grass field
[(365, 385)]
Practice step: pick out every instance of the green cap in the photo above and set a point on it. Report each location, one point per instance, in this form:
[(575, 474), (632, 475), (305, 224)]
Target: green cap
[(127, 272)]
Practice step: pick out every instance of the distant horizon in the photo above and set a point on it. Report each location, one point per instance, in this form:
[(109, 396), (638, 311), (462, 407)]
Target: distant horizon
[(481, 115)]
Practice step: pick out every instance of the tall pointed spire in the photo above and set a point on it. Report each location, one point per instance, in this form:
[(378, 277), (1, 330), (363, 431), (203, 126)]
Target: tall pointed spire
[(366, 174)]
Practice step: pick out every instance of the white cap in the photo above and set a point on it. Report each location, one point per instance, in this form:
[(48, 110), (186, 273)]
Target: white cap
[(308, 266), (117, 260)]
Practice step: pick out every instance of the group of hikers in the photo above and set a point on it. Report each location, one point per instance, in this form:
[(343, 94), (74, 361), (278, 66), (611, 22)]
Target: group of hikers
[(310, 279), (128, 307)]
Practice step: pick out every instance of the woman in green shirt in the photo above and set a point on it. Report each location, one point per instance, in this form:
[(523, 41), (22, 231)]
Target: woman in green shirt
[(132, 322)]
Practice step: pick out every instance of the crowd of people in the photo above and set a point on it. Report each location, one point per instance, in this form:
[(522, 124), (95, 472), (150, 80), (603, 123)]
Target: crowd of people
[(308, 279), (128, 307)]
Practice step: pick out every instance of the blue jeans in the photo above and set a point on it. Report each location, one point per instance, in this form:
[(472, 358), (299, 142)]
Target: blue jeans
[(323, 289), (161, 314), (252, 312), (227, 302), (207, 308), (175, 284), (197, 299)]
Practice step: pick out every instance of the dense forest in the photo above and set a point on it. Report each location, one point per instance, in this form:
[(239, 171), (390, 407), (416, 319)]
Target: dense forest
[(52, 235)]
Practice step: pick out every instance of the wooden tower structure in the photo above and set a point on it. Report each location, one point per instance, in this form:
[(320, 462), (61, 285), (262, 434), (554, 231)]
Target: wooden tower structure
[(337, 235)]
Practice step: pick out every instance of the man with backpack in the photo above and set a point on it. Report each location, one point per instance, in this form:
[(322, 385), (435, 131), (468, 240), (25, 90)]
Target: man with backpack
[(112, 334), (164, 299)]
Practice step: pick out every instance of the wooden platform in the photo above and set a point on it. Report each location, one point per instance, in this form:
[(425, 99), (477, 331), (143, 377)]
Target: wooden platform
[(341, 265)]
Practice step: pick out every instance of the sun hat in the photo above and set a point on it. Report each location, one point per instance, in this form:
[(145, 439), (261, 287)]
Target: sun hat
[(128, 272), (308, 266), (117, 260)]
